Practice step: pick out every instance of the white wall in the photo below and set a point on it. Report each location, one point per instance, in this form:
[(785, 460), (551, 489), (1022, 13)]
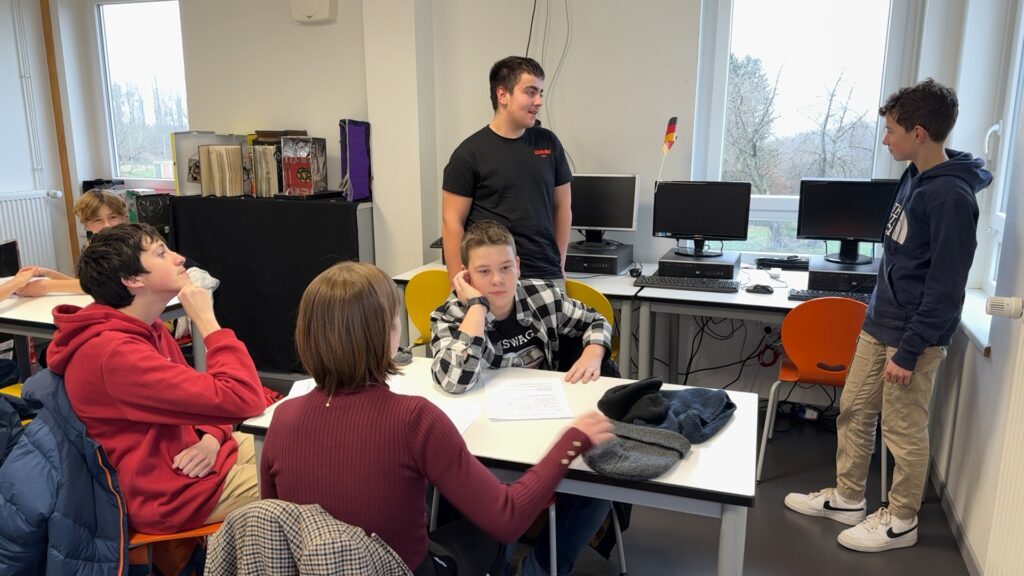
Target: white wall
[(630, 66), (28, 115), (248, 66)]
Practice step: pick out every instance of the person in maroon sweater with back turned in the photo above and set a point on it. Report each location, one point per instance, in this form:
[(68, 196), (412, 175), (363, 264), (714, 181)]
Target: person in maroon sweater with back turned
[(366, 454)]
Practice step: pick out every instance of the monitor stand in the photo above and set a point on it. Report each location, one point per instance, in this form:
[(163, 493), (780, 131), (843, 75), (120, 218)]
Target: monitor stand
[(594, 242), (698, 250), (849, 253)]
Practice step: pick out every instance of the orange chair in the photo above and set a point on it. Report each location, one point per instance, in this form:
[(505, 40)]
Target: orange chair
[(819, 337), (425, 292), (139, 539)]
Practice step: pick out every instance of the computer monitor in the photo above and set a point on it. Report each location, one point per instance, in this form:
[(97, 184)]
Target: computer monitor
[(850, 211), (603, 202), (701, 211), (10, 262)]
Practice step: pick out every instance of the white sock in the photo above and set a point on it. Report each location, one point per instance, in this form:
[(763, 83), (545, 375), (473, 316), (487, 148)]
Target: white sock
[(843, 501), (900, 525)]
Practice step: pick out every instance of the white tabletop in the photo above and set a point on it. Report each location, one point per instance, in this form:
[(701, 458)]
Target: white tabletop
[(721, 469), (748, 276), (37, 312)]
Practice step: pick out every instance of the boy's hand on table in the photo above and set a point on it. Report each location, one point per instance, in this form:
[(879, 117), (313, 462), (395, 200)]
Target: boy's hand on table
[(588, 367)]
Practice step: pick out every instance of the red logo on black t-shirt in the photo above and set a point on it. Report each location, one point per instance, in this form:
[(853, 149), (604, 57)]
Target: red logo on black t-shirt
[(542, 152)]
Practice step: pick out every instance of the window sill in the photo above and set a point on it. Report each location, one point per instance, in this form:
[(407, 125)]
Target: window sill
[(974, 322)]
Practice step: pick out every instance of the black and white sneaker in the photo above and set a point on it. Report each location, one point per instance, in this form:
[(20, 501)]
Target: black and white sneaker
[(879, 532), (824, 503)]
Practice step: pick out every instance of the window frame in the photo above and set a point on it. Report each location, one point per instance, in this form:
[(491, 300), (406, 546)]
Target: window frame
[(107, 129), (1003, 135), (899, 68)]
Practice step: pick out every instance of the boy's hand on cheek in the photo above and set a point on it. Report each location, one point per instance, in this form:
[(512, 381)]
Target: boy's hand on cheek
[(463, 288)]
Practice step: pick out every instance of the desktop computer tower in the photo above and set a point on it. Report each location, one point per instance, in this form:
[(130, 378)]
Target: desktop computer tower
[(825, 275), (726, 266), (613, 260)]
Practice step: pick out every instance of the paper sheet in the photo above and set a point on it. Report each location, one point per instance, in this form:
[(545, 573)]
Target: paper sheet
[(533, 399), (301, 388), (460, 412)]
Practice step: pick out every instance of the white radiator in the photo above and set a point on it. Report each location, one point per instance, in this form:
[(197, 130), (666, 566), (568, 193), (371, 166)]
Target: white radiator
[(26, 217)]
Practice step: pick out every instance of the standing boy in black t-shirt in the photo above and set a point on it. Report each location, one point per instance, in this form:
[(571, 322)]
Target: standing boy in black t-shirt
[(512, 173)]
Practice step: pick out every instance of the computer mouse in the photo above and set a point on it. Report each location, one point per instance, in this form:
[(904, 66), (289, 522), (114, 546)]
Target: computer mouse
[(760, 289)]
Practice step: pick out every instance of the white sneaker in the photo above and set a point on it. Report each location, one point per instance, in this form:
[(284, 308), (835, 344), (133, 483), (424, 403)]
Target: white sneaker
[(825, 503), (877, 533)]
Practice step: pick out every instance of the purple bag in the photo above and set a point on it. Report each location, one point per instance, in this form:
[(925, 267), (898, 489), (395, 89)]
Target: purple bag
[(356, 176)]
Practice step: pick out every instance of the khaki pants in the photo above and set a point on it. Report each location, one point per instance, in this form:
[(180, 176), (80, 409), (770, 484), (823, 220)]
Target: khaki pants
[(240, 486), (904, 411)]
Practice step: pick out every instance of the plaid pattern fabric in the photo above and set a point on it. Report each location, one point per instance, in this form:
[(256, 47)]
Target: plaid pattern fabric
[(458, 358), (281, 538)]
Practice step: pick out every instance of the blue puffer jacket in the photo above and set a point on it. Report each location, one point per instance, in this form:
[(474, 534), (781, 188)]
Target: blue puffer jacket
[(61, 509)]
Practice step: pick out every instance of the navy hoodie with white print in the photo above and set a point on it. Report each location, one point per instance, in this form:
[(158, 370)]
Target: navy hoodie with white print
[(929, 246)]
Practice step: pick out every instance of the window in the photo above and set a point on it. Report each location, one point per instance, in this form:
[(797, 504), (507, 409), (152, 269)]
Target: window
[(1002, 171), (144, 81), (789, 94)]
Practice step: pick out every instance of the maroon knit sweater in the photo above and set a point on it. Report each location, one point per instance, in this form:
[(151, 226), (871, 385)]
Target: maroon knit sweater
[(367, 458)]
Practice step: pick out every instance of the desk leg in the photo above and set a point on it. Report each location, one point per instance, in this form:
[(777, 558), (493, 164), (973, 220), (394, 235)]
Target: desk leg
[(644, 329), (21, 356), (732, 540), (403, 318), (199, 353), (626, 338), (257, 440)]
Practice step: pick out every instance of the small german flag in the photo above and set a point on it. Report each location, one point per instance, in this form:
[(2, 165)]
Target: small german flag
[(670, 136)]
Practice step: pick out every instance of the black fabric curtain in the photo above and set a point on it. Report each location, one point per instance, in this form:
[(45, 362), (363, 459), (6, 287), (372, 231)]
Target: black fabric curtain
[(264, 252)]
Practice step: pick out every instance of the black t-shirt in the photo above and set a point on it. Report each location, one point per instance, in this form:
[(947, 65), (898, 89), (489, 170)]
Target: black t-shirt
[(521, 341), (512, 182)]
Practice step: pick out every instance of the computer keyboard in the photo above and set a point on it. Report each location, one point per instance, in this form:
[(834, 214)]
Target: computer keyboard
[(677, 283), (795, 294)]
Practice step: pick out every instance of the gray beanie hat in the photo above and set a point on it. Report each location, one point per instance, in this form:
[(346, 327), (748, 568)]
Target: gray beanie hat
[(637, 452)]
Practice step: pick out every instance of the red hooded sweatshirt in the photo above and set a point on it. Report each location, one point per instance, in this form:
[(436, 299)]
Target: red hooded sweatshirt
[(131, 387)]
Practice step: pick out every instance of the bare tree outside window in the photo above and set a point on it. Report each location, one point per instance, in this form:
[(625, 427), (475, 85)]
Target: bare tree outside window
[(145, 85), (801, 102)]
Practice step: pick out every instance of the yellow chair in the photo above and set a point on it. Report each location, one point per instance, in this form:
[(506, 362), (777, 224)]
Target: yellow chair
[(579, 291), (423, 294)]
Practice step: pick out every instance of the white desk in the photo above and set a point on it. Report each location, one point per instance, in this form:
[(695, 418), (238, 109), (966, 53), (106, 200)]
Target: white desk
[(25, 317), (715, 479), (619, 291), (742, 305)]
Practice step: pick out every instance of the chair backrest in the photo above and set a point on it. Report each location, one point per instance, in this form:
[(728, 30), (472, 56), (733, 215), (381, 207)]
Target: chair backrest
[(579, 291), (820, 337), (425, 292)]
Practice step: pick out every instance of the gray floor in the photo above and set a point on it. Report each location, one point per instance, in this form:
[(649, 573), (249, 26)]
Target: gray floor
[(781, 542)]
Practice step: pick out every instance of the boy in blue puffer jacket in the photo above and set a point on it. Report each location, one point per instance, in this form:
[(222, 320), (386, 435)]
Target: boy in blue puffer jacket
[(914, 311)]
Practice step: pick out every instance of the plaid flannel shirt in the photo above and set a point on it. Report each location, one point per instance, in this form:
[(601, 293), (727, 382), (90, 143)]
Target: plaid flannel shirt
[(278, 537), (458, 357)]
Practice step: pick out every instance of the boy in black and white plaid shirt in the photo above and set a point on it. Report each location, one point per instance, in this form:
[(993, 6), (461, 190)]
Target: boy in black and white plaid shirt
[(495, 320)]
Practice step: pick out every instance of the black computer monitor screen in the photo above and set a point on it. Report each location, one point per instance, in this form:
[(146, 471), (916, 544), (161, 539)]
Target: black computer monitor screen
[(603, 202), (701, 211), (850, 211), (9, 261)]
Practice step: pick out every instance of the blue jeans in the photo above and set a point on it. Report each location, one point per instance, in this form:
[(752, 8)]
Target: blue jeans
[(577, 518)]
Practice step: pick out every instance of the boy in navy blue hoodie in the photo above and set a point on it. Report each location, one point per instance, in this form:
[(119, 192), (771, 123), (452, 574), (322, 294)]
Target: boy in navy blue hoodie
[(914, 310)]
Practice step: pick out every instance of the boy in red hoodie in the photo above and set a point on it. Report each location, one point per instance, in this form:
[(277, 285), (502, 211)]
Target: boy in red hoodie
[(164, 426)]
